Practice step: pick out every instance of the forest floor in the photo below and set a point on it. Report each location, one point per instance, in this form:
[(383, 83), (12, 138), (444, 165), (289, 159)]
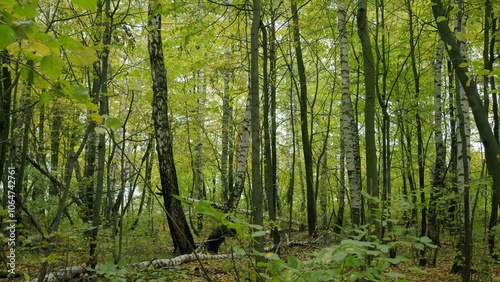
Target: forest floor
[(484, 270), (145, 249)]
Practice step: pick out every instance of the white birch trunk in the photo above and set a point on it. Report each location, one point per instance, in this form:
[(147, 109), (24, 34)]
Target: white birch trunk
[(349, 127)]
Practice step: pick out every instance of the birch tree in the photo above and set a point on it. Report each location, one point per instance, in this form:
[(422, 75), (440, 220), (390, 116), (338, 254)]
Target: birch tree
[(349, 127), (179, 228)]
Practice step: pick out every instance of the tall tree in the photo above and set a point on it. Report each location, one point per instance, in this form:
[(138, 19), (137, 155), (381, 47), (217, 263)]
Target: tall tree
[(491, 147), (369, 78), (257, 191), (349, 128), (438, 181), (304, 124), (179, 228)]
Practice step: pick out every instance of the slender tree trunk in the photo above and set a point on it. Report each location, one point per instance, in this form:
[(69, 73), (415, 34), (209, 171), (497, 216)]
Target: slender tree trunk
[(306, 141), (339, 219), (102, 98), (370, 138), (179, 228), (438, 183), (199, 175), (420, 141), (242, 147), (257, 191), (226, 114), (269, 149), (349, 128)]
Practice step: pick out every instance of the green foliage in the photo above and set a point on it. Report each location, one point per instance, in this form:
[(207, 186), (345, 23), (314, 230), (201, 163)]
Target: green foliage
[(115, 273)]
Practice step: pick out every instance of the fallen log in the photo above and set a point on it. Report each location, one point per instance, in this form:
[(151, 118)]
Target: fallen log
[(74, 272)]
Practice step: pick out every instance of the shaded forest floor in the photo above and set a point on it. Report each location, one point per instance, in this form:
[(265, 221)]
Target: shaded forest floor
[(484, 269), (146, 248)]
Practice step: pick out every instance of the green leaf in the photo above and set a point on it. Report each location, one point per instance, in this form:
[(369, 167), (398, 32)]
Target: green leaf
[(87, 4), (113, 123), (460, 36), (8, 36), (416, 270), (441, 18), (396, 260), (204, 207), (339, 256), (425, 239), (454, 11), (483, 72), (272, 256), (44, 98), (395, 275), (51, 66), (25, 10), (258, 233), (293, 262), (81, 95), (69, 42)]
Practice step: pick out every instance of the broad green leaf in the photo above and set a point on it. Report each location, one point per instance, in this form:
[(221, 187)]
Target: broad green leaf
[(483, 72), (416, 270), (81, 95), (441, 18), (68, 42), (258, 233), (425, 239), (51, 66), (460, 36), (339, 256), (395, 275), (44, 98), (8, 36), (87, 4), (113, 123), (83, 56), (293, 262), (204, 207), (454, 11), (272, 256), (25, 10)]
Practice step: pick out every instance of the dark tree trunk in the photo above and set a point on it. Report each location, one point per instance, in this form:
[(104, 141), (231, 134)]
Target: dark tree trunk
[(179, 228), (371, 150), (306, 142)]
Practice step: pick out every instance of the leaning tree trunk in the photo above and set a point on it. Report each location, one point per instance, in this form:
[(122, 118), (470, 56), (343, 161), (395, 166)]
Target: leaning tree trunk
[(489, 83), (179, 228), (462, 261), (469, 85)]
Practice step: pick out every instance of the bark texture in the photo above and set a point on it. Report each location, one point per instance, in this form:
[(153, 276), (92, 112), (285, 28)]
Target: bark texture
[(179, 228)]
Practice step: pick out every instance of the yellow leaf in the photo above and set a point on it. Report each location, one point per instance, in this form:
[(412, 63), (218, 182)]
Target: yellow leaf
[(96, 117), (463, 65)]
